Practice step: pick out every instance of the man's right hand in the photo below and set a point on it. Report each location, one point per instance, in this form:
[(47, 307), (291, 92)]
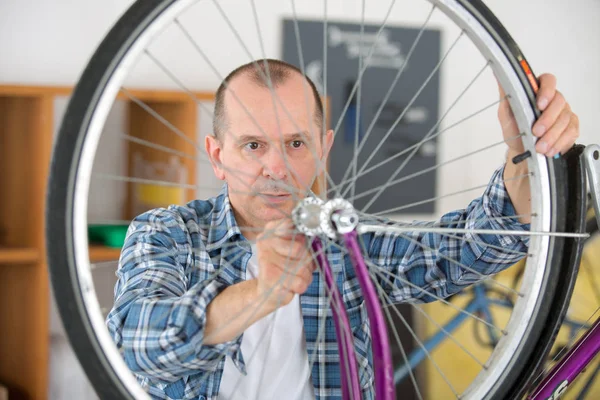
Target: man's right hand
[(285, 263), (285, 268)]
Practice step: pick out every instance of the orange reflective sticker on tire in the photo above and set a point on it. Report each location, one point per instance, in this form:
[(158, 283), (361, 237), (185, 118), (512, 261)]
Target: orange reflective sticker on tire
[(530, 76)]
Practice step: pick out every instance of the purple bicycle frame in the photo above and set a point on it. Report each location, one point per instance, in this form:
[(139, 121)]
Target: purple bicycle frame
[(348, 365), (569, 366), (383, 367)]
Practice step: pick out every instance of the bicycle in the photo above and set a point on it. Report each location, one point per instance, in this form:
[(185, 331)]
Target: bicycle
[(557, 187)]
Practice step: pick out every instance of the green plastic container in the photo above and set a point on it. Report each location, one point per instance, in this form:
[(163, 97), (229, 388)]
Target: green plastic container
[(108, 235)]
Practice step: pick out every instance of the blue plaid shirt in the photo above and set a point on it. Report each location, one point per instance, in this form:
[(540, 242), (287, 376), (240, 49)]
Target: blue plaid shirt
[(175, 260)]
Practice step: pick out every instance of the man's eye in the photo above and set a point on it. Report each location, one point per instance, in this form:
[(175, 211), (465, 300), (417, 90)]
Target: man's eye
[(297, 144), (252, 146)]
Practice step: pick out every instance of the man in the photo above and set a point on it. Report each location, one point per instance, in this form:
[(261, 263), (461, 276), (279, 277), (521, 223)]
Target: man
[(207, 305)]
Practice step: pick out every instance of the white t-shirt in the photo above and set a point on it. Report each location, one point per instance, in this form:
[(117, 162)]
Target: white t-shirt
[(275, 354)]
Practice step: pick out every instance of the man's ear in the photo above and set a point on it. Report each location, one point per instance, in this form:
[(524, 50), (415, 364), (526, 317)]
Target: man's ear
[(214, 150), (327, 143)]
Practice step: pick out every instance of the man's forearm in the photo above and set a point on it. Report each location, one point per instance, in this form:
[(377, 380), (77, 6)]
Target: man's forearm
[(233, 311), (517, 187)]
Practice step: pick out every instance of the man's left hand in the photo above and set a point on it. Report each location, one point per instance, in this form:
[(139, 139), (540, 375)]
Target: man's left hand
[(557, 128)]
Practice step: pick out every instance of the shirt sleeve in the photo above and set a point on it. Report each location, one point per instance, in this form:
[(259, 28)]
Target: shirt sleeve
[(157, 321), (427, 266)]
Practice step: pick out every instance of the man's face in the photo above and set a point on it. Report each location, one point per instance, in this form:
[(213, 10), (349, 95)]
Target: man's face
[(270, 151)]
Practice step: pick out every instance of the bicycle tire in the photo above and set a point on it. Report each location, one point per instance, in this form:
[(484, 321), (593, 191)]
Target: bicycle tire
[(65, 169)]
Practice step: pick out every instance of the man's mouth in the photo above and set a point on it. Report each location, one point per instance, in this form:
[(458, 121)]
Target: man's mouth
[(278, 197)]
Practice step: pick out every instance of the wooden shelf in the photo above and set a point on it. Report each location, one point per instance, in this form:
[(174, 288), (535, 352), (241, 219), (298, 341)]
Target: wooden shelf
[(99, 253), (19, 255), (27, 129), (26, 135)]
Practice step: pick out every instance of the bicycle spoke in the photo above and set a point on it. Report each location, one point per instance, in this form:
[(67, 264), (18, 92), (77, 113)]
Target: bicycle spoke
[(158, 182), (358, 99), (397, 121), (413, 334), (262, 373), (429, 135), (375, 273), (166, 149), (324, 111), (464, 238), (361, 72), (483, 277), (423, 171), (178, 82), (161, 119), (390, 180), (449, 335), (403, 352), (397, 337), (411, 147), (373, 228), (386, 98), (409, 283), (370, 218), (429, 200), (420, 289)]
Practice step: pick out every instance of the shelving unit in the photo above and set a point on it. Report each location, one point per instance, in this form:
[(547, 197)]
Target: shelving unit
[(27, 128), (25, 145), (99, 253), (19, 255)]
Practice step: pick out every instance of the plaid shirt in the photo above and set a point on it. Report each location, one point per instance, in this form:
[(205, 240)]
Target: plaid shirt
[(175, 260)]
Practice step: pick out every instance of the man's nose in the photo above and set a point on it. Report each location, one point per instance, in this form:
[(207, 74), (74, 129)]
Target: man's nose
[(275, 165)]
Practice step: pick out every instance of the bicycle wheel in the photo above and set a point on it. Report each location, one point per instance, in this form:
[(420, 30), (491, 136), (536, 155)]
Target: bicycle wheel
[(143, 40)]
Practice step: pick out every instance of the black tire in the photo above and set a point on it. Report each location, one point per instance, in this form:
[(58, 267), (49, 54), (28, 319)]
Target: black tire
[(566, 188), (59, 213)]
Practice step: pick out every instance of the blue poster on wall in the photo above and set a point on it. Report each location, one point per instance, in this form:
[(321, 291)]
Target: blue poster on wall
[(392, 103)]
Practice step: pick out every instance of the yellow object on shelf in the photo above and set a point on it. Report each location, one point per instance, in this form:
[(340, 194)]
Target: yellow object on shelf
[(155, 195)]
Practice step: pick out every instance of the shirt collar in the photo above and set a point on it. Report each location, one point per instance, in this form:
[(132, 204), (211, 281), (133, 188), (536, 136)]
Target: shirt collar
[(223, 226)]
